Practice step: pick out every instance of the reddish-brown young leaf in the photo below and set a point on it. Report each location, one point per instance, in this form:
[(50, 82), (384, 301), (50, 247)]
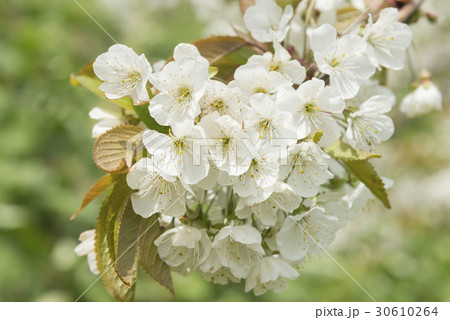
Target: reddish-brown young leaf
[(97, 189)]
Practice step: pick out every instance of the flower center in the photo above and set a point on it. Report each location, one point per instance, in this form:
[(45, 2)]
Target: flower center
[(226, 142), (132, 80), (184, 94), (218, 105), (336, 62), (310, 107), (299, 162), (275, 66), (253, 168), (260, 90), (179, 143), (265, 126)]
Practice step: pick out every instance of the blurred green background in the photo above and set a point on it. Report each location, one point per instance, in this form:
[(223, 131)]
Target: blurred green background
[(46, 165)]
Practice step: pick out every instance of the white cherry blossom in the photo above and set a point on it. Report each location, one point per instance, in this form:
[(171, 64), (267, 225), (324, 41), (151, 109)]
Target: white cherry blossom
[(225, 142), (334, 203), (156, 193), (307, 169), (270, 273), (306, 233), (215, 272), (183, 245), (424, 99), (361, 200), (369, 126), (239, 248), (246, 180), (265, 117), (221, 99), (281, 62), (87, 248), (181, 84), (267, 22), (106, 120), (253, 78), (179, 155), (282, 198), (262, 172), (388, 39), (368, 89), (313, 105), (342, 59), (124, 74)]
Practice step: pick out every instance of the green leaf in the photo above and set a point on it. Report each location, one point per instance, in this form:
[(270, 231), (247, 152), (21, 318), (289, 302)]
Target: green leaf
[(317, 136), (366, 173), (148, 120), (86, 78), (127, 245), (224, 52), (148, 254), (111, 280), (342, 151), (120, 195), (113, 151), (97, 189)]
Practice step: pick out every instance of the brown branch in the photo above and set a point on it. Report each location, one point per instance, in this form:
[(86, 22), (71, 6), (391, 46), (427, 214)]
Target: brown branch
[(409, 9)]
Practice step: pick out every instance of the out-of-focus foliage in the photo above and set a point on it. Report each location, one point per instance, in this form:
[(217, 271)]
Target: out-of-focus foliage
[(46, 166)]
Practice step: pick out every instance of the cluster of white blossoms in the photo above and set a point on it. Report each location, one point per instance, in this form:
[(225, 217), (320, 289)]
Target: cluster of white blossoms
[(242, 180)]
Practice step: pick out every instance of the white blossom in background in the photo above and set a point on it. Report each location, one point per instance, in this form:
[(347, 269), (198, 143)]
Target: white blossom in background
[(252, 78), (424, 99), (306, 233), (369, 125), (156, 193), (342, 59), (176, 155), (359, 4), (239, 248), (296, 35), (269, 274), (124, 74), (181, 83), (307, 169), (219, 16), (184, 245), (218, 97), (87, 248), (267, 22), (313, 105), (388, 39), (281, 62), (328, 11), (106, 120)]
